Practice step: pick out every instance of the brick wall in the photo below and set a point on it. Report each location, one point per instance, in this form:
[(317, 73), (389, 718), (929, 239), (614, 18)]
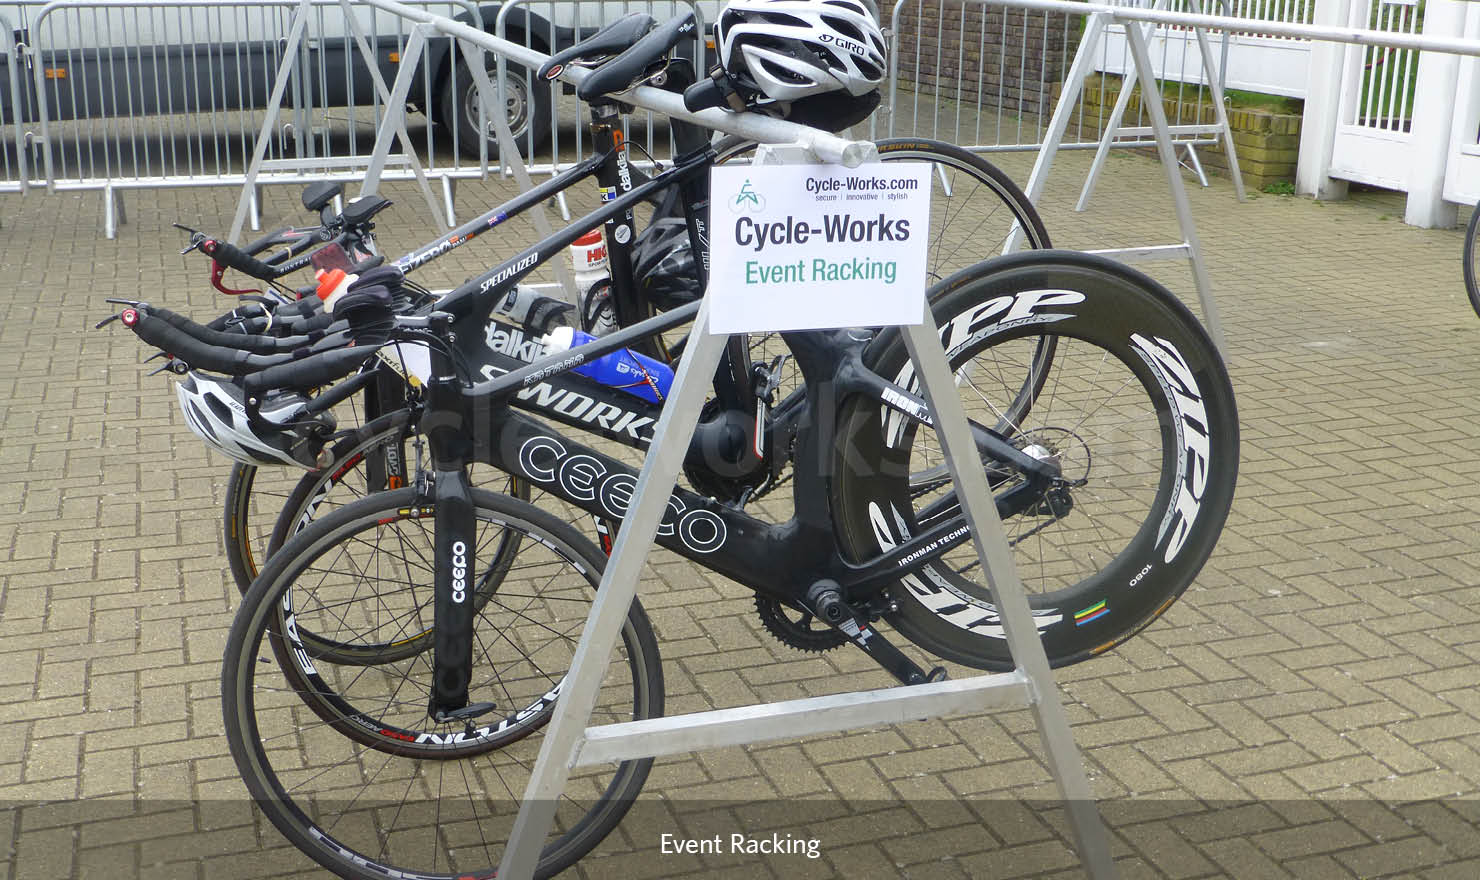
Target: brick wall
[(1014, 58)]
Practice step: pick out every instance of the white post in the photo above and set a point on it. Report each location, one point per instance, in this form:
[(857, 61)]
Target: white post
[(1460, 187), (1433, 117), (1322, 107)]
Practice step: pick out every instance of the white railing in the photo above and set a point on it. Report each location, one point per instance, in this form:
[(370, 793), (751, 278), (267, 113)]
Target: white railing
[(1258, 62)]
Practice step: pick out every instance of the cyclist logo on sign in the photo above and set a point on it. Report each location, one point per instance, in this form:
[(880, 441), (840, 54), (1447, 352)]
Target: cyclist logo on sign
[(747, 200)]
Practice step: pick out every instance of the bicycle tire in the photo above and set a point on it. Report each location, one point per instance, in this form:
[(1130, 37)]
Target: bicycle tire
[(965, 185), (1472, 254), (289, 731), (1157, 498)]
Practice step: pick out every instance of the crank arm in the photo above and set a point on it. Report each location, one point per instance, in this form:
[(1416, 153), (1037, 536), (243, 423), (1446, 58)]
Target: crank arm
[(830, 608)]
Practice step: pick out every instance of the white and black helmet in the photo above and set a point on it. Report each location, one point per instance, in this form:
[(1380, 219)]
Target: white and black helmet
[(794, 49), (216, 411)]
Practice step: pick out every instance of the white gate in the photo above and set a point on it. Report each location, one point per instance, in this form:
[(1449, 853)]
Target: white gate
[(1374, 141), (1462, 174)]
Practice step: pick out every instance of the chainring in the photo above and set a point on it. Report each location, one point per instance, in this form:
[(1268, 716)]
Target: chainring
[(797, 629)]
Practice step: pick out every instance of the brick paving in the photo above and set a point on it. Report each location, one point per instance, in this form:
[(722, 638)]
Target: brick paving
[(1307, 710)]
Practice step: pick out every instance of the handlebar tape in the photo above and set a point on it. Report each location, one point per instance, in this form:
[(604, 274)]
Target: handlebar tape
[(220, 339), (230, 255), (242, 314), (200, 355), (309, 372)]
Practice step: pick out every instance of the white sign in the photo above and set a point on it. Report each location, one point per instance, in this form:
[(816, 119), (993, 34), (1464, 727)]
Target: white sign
[(800, 247)]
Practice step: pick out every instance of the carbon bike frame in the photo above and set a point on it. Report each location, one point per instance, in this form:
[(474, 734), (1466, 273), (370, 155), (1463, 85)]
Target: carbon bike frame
[(787, 562)]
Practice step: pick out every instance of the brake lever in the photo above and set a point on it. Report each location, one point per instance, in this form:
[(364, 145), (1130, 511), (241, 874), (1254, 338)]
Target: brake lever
[(218, 272), (173, 365), (196, 238)]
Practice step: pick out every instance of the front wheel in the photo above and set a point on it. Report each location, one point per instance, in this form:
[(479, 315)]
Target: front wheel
[(1472, 261), (345, 761), (1136, 411)]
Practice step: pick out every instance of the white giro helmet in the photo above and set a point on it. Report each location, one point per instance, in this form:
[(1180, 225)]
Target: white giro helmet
[(215, 410), (793, 49)]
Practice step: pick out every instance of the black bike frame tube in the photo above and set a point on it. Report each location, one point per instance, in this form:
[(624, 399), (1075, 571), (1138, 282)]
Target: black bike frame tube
[(477, 294), (512, 208), (781, 561), (455, 542), (620, 228), (778, 560)]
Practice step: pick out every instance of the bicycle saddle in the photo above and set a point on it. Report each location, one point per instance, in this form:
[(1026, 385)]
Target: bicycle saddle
[(622, 72), (317, 195), (613, 39), (361, 210)]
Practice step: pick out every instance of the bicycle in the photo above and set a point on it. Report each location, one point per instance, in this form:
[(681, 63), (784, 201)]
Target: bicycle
[(870, 541)]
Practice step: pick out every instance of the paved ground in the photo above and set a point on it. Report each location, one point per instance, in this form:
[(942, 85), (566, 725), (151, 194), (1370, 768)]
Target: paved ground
[(1308, 710)]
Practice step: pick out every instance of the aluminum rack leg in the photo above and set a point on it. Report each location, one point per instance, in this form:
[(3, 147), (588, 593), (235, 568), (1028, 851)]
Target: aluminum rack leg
[(1190, 247), (569, 742)]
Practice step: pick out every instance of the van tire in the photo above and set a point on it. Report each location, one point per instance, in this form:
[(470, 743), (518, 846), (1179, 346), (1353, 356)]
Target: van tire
[(528, 101)]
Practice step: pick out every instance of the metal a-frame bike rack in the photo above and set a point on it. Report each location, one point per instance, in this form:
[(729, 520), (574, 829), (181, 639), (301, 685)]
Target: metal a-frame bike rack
[(395, 112), (569, 741), (1100, 18), (1219, 126)]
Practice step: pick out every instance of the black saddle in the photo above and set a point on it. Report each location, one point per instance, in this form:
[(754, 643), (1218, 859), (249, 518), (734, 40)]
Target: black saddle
[(615, 38), (317, 195), (620, 73)]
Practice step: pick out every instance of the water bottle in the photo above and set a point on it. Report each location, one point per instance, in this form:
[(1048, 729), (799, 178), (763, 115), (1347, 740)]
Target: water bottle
[(593, 282), (588, 259), (623, 369)]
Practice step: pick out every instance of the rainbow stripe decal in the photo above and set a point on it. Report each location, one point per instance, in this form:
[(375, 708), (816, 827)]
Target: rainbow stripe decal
[(1093, 612)]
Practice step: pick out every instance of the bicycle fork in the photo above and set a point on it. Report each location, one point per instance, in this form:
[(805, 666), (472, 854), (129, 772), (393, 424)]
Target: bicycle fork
[(455, 547)]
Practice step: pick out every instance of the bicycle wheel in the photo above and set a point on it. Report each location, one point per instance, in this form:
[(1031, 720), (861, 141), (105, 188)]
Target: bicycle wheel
[(345, 760), (1472, 258), (1138, 411), (974, 207)]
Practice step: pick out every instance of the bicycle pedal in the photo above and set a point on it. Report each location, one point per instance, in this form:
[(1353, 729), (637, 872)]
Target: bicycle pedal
[(466, 713)]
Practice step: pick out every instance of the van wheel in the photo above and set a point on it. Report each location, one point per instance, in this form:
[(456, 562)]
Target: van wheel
[(526, 107)]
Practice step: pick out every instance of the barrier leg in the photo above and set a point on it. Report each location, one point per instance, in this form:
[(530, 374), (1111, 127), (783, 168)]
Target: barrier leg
[(274, 104), (1079, 70)]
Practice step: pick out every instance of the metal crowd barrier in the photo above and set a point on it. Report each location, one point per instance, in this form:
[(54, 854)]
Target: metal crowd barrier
[(111, 95), (517, 22)]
